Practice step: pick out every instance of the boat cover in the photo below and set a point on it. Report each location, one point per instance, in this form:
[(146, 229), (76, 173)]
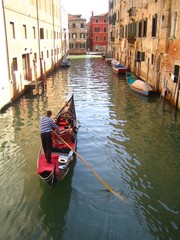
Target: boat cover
[(145, 86), (44, 166)]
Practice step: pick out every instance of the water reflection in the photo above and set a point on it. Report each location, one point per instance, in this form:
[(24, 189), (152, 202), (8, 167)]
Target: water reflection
[(131, 141), (53, 209), (148, 164)]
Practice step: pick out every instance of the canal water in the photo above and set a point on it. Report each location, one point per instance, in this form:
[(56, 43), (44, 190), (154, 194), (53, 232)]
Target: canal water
[(132, 142)]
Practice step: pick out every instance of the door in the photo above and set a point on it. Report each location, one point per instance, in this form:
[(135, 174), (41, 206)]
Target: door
[(26, 67)]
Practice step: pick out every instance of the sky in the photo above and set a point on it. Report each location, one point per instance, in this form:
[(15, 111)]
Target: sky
[(85, 7)]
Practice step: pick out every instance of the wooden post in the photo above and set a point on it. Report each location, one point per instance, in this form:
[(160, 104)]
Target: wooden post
[(35, 75), (177, 91), (44, 73)]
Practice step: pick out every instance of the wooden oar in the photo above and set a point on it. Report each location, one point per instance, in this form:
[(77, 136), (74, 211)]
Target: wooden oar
[(95, 173)]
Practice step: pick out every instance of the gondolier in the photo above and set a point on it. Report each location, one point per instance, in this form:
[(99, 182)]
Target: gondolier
[(46, 126)]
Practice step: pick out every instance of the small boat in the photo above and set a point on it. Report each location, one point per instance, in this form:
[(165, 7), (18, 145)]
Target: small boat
[(109, 60), (114, 62), (64, 145), (118, 67), (139, 86), (65, 63)]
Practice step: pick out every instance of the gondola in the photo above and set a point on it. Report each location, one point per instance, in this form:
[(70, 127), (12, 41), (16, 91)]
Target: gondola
[(63, 156)]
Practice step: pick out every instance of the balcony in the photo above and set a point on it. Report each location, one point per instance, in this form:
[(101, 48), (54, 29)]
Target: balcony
[(132, 12), (131, 40)]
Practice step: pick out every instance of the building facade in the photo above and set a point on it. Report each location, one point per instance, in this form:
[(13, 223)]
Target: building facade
[(98, 33), (33, 39), (77, 34), (5, 75), (145, 36), (64, 31)]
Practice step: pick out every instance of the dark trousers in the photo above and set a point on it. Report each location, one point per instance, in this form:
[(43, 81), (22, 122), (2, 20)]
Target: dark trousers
[(47, 145)]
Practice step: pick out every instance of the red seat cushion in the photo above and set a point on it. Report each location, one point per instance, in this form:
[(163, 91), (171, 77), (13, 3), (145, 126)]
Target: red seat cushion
[(44, 166)]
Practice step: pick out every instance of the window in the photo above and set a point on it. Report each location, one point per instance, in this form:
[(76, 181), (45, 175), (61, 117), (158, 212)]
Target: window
[(176, 73), (82, 25), (126, 31), (145, 28), (25, 31), (82, 45), (105, 30), (154, 25), (143, 56), (105, 20), (82, 35), (152, 59), (96, 20), (34, 32), (15, 66), (74, 35), (74, 25), (12, 30), (121, 32), (174, 25), (47, 53), (131, 30), (138, 57), (96, 29), (96, 38), (41, 33), (35, 56), (140, 29), (105, 39)]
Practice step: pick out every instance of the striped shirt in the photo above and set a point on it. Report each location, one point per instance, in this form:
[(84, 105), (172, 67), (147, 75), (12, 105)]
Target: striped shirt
[(47, 124)]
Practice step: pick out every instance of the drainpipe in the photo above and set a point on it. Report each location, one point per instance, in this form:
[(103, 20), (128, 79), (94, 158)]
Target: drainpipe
[(7, 49), (53, 34), (37, 14)]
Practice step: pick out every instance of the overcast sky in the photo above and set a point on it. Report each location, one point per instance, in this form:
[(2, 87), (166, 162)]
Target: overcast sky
[(85, 7)]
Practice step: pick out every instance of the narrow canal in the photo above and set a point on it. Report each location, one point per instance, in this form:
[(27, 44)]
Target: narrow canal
[(132, 142)]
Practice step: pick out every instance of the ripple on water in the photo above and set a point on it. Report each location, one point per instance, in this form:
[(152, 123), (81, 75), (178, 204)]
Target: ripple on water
[(131, 143)]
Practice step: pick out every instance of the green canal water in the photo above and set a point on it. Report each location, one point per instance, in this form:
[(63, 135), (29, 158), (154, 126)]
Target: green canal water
[(132, 142)]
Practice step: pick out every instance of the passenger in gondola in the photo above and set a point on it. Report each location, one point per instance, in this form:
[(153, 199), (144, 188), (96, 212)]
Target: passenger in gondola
[(56, 121), (69, 129)]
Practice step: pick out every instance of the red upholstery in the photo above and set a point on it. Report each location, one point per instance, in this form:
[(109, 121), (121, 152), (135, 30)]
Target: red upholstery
[(57, 143), (44, 166)]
